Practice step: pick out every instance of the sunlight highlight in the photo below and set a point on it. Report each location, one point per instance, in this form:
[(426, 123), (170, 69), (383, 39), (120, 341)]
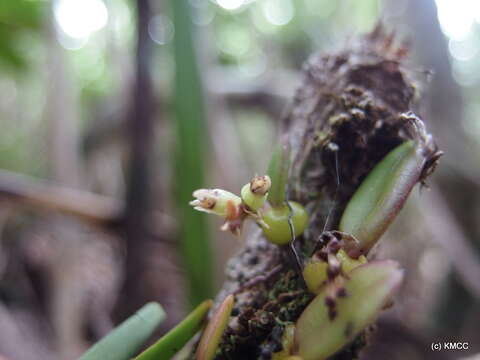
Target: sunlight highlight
[(79, 19), (230, 4), (457, 16)]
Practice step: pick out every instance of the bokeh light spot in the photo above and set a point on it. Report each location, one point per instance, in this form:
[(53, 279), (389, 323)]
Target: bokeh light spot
[(160, 29), (456, 17), (230, 4), (80, 18), (278, 12)]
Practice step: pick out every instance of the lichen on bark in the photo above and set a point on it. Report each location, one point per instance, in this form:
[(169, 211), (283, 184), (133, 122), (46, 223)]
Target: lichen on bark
[(352, 107)]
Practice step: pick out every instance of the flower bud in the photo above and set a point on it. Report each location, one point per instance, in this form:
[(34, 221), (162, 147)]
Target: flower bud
[(260, 185), (254, 194)]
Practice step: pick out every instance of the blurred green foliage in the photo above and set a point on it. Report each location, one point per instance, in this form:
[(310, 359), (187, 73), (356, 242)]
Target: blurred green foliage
[(190, 124), (18, 18)]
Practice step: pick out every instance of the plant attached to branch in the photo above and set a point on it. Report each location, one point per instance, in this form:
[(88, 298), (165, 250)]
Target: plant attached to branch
[(349, 291), (306, 287)]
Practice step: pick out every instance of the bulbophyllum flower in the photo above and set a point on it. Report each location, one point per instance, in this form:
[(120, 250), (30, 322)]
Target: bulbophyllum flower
[(222, 203), (217, 201)]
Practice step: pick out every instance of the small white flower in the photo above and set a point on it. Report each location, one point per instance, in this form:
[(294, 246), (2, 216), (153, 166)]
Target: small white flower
[(217, 201)]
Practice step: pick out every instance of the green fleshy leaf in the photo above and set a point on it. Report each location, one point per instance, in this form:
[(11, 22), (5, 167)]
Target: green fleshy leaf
[(382, 195), (125, 340), (370, 287)]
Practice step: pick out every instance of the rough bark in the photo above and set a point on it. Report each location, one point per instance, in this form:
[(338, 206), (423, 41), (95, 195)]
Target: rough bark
[(351, 109)]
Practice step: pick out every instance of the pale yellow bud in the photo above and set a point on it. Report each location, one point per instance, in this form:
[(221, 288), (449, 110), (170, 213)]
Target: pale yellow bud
[(254, 194), (260, 185)]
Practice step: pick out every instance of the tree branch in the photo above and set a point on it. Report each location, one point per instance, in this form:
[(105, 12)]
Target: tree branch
[(95, 209)]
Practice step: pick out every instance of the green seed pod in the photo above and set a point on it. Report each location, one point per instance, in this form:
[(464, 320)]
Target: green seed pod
[(382, 195), (170, 343), (254, 194), (320, 333), (213, 332), (275, 224)]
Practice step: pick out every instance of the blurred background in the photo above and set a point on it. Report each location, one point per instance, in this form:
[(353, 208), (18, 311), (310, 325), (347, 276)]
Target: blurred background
[(113, 111)]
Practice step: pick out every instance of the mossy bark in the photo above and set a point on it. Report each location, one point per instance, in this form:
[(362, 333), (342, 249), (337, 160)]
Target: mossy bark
[(351, 109)]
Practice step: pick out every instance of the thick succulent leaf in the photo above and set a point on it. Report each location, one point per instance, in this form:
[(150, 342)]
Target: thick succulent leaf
[(382, 194), (368, 289), (213, 332), (125, 340), (175, 339)]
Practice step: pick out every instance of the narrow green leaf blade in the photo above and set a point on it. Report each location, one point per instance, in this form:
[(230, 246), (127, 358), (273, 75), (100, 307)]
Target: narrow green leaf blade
[(169, 344), (190, 154), (125, 340), (370, 287)]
